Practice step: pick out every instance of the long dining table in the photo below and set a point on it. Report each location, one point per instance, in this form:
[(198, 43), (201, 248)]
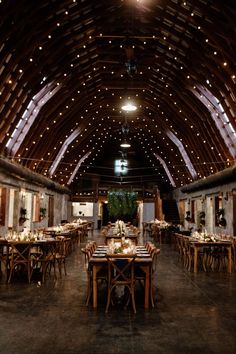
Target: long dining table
[(74, 231), (129, 235), (143, 261), (21, 245), (202, 245)]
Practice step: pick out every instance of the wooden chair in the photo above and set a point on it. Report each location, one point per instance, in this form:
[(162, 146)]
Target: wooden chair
[(146, 229), (215, 259), (150, 246), (20, 259), (187, 252), (73, 236), (179, 246), (105, 230), (84, 232), (153, 272), (88, 251), (155, 233), (78, 236), (140, 275), (62, 252), (4, 258), (45, 259), (90, 228), (121, 273)]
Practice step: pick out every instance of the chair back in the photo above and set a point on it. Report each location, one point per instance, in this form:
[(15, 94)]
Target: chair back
[(20, 251), (121, 273), (88, 250), (120, 269), (155, 253), (20, 255)]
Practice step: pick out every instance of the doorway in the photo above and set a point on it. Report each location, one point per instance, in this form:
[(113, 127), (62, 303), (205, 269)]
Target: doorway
[(105, 214)]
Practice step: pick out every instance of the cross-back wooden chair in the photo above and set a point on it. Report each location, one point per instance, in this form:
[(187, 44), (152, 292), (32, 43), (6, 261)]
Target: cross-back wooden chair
[(45, 258), (62, 252), (153, 272), (88, 251), (121, 273), (20, 258)]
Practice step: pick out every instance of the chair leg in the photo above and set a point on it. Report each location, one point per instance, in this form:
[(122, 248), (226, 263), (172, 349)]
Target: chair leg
[(29, 273), (152, 293), (108, 299), (89, 289), (59, 266), (47, 266), (10, 275), (64, 262), (133, 300)]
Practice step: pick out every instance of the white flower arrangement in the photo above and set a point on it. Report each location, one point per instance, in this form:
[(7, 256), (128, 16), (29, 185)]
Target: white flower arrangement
[(120, 228)]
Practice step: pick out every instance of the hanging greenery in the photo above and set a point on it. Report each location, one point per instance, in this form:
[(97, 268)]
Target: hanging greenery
[(220, 217), (202, 220), (122, 204), (23, 214)]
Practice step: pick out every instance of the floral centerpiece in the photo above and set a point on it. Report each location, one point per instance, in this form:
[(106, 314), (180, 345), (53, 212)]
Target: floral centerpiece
[(121, 247), (120, 228), (204, 236)]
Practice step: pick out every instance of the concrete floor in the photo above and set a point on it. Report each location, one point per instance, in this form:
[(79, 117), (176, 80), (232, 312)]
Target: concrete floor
[(193, 313)]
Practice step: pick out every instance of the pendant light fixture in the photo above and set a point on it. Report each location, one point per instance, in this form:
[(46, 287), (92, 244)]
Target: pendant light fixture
[(125, 144), (129, 107)]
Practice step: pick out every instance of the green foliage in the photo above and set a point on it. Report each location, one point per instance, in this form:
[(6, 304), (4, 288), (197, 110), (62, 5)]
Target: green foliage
[(122, 204), (43, 212), (23, 212), (220, 213), (220, 217)]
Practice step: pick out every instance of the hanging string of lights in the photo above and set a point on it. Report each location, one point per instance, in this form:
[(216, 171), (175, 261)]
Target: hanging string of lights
[(17, 159)]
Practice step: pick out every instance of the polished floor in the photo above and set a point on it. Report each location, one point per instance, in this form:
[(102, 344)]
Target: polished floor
[(193, 314)]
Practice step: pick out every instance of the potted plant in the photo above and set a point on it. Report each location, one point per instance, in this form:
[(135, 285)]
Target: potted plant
[(42, 213), (23, 218), (188, 217), (220, 217), (202, 218)]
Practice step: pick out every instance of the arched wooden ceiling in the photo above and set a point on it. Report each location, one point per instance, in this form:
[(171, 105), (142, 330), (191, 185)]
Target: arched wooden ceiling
[(66, 68)]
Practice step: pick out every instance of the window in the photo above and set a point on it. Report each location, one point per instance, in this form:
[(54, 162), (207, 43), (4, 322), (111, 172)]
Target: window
[(121, 167), (82, 209), (36, 207)]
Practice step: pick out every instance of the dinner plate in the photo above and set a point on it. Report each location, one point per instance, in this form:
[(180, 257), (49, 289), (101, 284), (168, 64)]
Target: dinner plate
[(143, 255), (100, 255)]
